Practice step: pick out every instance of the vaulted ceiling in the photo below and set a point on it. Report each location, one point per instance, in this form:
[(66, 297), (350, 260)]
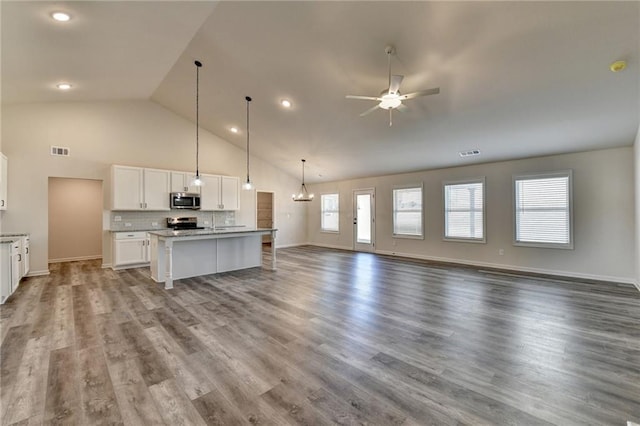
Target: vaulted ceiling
[(516, 79)]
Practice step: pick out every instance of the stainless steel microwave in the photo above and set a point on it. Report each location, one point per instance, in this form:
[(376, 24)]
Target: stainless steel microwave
[(185, 200)]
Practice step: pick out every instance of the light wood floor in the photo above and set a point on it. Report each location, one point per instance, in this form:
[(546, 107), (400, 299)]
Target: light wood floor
[(332, 337)]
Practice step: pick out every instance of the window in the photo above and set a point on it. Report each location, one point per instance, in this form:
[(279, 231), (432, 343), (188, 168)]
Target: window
[(330, 212), (407, 212), (543, 210), (464, 210)]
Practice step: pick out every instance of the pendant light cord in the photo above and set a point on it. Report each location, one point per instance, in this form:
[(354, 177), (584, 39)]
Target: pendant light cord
[(248, 99), (198, 65)]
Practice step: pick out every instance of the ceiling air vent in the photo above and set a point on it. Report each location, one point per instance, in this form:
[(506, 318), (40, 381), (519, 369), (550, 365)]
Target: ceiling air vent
[(60, 150), (469, 153)]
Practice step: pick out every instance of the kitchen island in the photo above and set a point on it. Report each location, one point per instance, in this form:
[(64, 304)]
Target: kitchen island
[(195, 252)]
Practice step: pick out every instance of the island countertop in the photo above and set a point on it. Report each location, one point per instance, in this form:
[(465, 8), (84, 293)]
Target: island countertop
[(169, 233)]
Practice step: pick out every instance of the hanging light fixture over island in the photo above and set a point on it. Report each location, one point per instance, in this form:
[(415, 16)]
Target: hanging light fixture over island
[(247, 185), (303, 194), (197, 181)]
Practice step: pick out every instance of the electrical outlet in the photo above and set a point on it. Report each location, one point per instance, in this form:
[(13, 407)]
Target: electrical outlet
[(501, 252), (127, 225), (154, 223), (206, 222), (117, 219)]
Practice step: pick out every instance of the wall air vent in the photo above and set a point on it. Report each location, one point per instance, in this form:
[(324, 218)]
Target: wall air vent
[(60, 150), (469, 153)]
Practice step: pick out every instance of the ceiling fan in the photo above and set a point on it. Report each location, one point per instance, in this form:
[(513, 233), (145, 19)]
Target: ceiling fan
[(391, 98)]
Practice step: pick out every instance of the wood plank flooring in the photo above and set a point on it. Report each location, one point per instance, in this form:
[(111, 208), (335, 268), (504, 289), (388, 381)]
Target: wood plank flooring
[(331, 337)]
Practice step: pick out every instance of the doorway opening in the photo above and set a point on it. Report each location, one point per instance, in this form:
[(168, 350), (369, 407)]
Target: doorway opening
[(75, 219), (364, 207), (265, 213)]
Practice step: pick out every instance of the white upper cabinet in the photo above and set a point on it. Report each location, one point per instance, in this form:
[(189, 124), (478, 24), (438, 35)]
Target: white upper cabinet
[(156, 189), (3, 181), (135, 188), (230, 189), (220, 193), (180, 182)]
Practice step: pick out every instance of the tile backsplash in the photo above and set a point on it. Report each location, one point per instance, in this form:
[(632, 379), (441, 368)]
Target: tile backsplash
[(131, 221)]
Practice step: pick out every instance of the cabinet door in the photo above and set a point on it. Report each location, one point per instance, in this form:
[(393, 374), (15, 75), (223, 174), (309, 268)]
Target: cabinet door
[(127, 252), (230, 187), (126, 188), (26, 256), (181, 182), (210, 193), (156, 189), (3, 181), (147, 248)]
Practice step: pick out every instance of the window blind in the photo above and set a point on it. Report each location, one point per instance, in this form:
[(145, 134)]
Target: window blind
[(543, 211), (330, 212), (464, 210), (407, 211)]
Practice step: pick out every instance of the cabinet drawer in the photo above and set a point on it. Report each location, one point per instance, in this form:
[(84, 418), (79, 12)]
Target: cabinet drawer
[(130, 235)]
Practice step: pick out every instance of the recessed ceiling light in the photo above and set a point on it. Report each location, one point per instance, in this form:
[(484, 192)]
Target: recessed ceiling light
[(234, 130), (618, 66), (61, 16), (285, 103), (63, 86)]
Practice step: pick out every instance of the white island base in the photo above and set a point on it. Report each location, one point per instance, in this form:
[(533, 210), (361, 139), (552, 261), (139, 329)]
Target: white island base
[(185, 254)]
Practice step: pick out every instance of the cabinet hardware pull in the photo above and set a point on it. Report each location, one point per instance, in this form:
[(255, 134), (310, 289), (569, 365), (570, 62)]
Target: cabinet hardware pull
[(19, 257)]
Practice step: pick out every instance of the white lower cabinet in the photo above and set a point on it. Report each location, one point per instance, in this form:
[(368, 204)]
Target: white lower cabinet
[(26, 264), (130, 248), (10, 268)]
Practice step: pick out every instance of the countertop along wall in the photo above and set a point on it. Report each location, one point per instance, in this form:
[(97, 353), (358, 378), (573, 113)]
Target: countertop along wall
[(136, 133), (604, 219)]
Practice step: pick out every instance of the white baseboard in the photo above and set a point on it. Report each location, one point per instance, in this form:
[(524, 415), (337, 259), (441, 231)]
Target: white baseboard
[(38, 273), (331, 246), (568, 274), (290, 245), (106, 265), (75, 259)]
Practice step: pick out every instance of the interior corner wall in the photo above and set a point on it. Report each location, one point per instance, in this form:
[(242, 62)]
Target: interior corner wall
[(604, 220), (636, 149), (135, 133)]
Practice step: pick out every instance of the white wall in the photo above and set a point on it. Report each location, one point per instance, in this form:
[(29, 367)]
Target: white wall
[(603, 205), (137, 133)]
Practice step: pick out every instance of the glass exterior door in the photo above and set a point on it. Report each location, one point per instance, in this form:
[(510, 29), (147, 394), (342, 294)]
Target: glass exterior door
[(364, 220)]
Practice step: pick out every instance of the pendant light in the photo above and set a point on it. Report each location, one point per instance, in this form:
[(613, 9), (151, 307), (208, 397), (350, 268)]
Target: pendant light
[(247, 185), (197, 181), (303, 195)]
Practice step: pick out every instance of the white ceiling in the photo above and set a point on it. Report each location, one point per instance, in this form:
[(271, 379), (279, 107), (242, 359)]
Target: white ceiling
[(517, 79)]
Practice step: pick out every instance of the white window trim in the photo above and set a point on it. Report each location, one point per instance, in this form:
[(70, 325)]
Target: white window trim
[(328, 231), (547, 175), (408, 236), (482, 240)]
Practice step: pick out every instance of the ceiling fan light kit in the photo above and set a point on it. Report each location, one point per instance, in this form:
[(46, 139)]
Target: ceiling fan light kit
[(391, 98)]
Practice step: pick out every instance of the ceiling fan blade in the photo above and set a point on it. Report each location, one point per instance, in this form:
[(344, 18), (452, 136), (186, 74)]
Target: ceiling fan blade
[(366, 98), (394, 84), (402, 108), (370, 110), (420, 93)]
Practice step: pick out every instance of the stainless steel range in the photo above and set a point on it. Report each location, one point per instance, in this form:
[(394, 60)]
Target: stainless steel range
[(178, 223)]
